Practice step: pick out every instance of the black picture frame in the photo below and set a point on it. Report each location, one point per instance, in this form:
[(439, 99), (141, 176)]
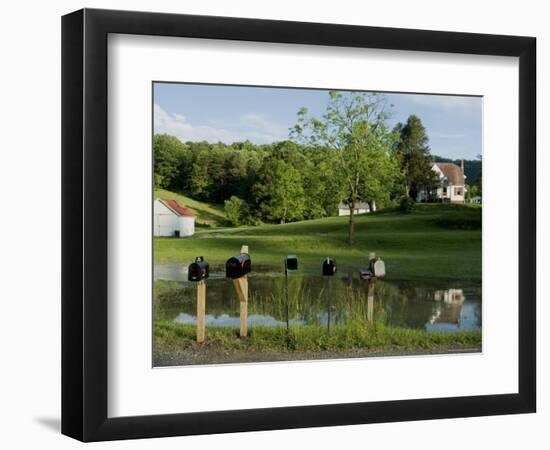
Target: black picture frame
[(84, 224)]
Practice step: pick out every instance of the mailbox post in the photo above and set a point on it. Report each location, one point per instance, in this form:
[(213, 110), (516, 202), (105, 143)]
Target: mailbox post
[(377, 269), (237, 268), (199, 272), (291, 265), (329, 269), (370, 299)]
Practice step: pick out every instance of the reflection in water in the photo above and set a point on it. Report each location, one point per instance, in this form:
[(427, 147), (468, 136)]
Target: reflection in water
[(225, 320), (326, 301), (449, 309)]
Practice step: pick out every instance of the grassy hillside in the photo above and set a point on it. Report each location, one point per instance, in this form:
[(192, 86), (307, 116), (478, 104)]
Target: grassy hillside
[(434, 241), (208, 214)]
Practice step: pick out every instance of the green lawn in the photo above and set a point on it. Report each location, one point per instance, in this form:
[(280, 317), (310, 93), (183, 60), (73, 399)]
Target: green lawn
[(434, 241)]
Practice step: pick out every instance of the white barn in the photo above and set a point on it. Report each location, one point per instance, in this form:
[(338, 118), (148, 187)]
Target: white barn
[(172, 219), (360, 208)]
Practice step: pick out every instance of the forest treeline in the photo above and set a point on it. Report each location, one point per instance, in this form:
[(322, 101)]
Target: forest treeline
[(274, 183), (283, 181)]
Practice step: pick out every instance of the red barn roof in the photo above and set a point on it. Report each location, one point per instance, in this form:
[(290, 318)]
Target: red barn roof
[(177, 208)]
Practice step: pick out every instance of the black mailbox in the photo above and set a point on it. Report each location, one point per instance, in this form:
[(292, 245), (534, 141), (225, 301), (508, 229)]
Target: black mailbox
[(199, 270), (329, 266), (291, 263), (238, 266)]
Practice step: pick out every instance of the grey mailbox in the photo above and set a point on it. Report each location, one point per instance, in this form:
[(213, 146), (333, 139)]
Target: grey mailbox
[(377, 268)]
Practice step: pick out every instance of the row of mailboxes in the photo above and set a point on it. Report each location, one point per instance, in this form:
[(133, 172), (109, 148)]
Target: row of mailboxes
[(235, 267), (377, 268), (238, 266), (329, 265)]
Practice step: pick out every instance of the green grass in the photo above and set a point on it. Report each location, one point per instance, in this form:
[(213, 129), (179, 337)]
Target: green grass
[(207, 214), (434, 241), (173, 337)]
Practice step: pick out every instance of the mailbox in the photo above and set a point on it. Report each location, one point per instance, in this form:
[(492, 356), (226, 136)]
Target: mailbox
[(199, 270), (329, 266), (291, 263), (238, 266), (377, 267)]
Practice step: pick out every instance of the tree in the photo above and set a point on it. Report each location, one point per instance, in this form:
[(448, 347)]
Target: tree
[(354, 127), (471, 192), (279, 193), (479, 181), (168, 150), (413, 154), (200, 181), (236, 211), (318, 180)]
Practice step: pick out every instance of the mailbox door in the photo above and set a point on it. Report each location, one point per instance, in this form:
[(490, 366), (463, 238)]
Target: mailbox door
[(233, 268), (192, 272)]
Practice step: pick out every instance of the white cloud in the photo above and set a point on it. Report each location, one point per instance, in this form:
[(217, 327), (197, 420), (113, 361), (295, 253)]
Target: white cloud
[(263, 128), (254, 127), (177, 125)]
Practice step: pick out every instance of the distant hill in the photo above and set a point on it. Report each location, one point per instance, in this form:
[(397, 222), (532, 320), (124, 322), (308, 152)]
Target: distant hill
[(472, 167)]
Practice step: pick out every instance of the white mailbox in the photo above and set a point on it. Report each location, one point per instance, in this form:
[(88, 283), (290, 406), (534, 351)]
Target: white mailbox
[(379, 268)]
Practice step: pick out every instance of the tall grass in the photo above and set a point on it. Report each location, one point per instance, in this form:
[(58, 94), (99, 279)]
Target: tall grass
[(170, 337)]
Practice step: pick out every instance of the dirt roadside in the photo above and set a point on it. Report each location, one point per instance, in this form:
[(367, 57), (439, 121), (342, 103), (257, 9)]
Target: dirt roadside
[(215, 356)]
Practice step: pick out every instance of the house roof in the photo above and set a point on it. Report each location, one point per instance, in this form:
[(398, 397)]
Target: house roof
[(454, 173), (176, 208), (358, 205)]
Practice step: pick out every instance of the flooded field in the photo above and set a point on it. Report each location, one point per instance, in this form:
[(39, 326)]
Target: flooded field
[(316, 300)]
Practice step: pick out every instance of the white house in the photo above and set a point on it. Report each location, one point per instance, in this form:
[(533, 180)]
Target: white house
[(451, 185), (476, 200), (360, 208), (172, 219)]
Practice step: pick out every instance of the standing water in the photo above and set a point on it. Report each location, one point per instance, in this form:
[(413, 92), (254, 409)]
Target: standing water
[(432, 306)]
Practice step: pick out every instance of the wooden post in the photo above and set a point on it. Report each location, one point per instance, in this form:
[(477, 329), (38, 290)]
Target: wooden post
[(286, 300), (201, 310), (370, 299), (241, 286), (329, 298)]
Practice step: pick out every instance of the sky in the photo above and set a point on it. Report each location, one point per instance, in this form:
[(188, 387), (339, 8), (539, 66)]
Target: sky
[(197, 112)]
